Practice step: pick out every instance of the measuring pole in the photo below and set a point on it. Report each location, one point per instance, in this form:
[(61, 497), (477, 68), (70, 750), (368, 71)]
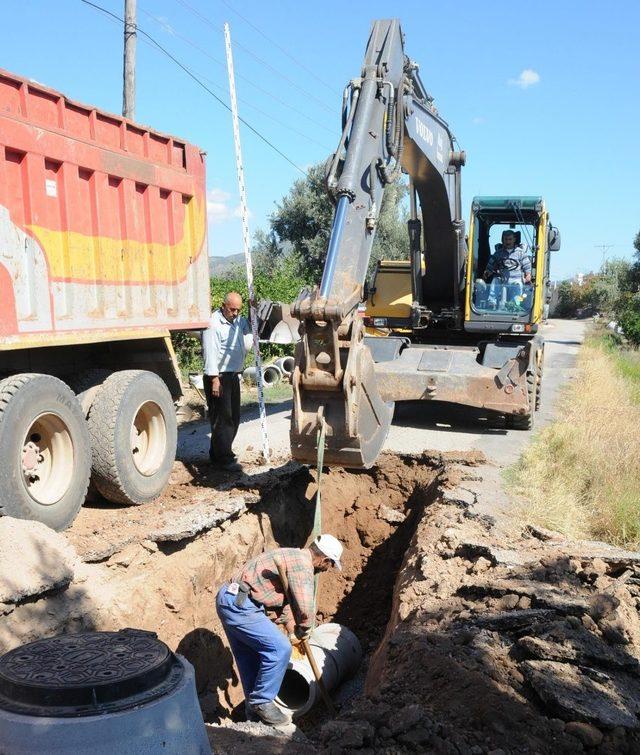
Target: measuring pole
[(129, 63), (245, 240)]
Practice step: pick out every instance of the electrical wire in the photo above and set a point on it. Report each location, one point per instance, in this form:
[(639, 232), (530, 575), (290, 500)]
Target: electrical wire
[(262, 62), (170, 30), (218, 86), (265, 114), (279, 47), (198, 81)]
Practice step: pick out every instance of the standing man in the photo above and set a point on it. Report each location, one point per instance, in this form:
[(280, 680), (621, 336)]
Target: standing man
[(261, 651), (224, 351)]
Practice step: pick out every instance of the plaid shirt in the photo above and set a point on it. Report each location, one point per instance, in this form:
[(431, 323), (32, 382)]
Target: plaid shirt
[(266, 587)]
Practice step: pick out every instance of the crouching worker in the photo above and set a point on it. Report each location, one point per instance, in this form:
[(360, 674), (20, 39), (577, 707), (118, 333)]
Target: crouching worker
[(261, 650)]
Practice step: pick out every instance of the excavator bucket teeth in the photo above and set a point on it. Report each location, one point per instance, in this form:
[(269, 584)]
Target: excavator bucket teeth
[(357, 419)]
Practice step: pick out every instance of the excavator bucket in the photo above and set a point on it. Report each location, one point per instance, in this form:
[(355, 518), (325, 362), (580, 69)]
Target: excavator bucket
[(356, 419)]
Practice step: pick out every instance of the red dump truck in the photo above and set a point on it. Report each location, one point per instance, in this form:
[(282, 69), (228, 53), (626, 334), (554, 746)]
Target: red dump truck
[(102, 254)]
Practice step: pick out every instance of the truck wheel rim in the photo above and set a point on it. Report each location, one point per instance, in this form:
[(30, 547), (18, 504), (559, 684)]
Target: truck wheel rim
[(47, 459), (148, 438)]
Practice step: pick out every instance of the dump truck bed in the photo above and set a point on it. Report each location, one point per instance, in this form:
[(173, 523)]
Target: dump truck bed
[(102, 224)]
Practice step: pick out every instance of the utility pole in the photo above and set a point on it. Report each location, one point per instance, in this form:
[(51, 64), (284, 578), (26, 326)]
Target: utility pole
[(605, 248), (129, 64)]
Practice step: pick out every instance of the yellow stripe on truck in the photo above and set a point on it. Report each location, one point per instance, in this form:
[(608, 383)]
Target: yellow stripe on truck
[(77, 257)]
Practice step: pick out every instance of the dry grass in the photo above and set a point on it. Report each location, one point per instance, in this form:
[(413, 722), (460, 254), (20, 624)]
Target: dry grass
[(581, 475)]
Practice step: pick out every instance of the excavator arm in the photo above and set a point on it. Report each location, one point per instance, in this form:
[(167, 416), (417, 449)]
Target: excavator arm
[(389, 125)]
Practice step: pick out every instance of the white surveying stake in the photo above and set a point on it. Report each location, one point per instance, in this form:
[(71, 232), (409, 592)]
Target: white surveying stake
[(245, 240)]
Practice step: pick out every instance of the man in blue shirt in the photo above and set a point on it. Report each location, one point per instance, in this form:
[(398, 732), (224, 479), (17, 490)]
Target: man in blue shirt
[(223, 345)]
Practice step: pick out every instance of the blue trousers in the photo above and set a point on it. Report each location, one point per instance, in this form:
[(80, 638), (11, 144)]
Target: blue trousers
[(261, 650)]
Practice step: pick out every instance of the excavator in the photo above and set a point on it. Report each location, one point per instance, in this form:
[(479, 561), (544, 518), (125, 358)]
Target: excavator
[(457, 321)]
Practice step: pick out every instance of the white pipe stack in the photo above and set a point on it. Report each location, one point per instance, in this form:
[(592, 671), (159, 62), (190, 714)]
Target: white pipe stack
[(270, 375), (285, 365)]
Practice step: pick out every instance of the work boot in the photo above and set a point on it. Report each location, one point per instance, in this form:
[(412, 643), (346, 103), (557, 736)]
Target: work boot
[(250, 713), (270, 714), (232, 466)]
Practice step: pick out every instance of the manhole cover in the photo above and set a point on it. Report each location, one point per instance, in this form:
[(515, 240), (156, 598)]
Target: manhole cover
[(81, 674)]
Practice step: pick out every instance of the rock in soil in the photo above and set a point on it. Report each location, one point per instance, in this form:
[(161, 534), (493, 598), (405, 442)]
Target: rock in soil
[(587, 734), (506, 641), (33, 559)]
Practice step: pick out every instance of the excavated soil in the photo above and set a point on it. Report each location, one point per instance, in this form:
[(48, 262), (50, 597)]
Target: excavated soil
[(479, 636), (500, 640), (374, 513), (158, 566)]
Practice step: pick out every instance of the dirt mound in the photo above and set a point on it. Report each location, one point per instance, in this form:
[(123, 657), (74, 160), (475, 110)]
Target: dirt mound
[(502, 640)]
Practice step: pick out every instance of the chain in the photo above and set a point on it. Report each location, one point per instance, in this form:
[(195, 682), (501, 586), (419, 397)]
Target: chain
[(317, 515)]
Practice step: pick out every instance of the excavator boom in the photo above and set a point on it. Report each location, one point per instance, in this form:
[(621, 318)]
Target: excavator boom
[(389, 125)]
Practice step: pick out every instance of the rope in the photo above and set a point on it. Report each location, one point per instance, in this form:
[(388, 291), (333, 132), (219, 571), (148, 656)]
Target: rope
[(317, 516)]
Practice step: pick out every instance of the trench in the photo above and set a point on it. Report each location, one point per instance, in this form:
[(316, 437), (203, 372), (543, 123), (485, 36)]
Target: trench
[(124, 579), (374, 513)]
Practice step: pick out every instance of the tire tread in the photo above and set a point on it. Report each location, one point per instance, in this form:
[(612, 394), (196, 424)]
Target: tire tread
[(9, 388), (103, 420)]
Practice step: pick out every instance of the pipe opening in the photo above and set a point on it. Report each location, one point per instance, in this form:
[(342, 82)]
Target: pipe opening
[(295, 691), (270, 375)]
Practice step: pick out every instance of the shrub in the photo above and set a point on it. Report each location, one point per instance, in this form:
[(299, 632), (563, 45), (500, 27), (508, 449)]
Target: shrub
[(628, 315)]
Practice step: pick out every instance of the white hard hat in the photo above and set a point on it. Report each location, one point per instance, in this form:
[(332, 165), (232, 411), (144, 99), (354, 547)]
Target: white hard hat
[(331, 547)]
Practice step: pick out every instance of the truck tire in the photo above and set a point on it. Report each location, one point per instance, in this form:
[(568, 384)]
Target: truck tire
[(86, 385), (134, 434), (45, 450)]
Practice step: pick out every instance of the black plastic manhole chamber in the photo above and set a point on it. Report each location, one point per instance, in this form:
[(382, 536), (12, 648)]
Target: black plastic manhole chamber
[(85, 674), (76, 680)]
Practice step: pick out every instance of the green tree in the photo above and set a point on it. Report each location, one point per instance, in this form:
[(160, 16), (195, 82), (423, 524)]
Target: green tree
[(300, 226), (599, 292), (611, 282), (634, 273), (277, 279), (627, 307), (628, 316)]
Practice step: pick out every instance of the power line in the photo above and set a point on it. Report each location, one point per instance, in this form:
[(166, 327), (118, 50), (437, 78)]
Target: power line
[(605, 250), (279, 47), (265, 114), (308, 94), (170, 30), (200, 83)]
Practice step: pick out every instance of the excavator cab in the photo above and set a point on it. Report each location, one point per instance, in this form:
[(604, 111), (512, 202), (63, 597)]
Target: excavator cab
[(508, 264)]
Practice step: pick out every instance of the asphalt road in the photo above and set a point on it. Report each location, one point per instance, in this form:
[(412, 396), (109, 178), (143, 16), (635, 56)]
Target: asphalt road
[(423, 425)]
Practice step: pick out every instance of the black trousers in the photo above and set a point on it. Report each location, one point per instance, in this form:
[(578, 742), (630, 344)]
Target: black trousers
[(224, 415)]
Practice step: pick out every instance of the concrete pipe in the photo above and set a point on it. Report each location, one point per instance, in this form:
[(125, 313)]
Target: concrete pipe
[(270, 375), (337, 652), (285, 365)]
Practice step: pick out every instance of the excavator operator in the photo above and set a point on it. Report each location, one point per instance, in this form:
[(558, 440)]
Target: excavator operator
[(508, 268)]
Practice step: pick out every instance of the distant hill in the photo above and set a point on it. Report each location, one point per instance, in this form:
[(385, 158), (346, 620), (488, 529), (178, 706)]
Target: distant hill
[(220, 266)]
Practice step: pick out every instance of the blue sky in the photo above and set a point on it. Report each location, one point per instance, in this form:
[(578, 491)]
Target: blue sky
[(543, 97)]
